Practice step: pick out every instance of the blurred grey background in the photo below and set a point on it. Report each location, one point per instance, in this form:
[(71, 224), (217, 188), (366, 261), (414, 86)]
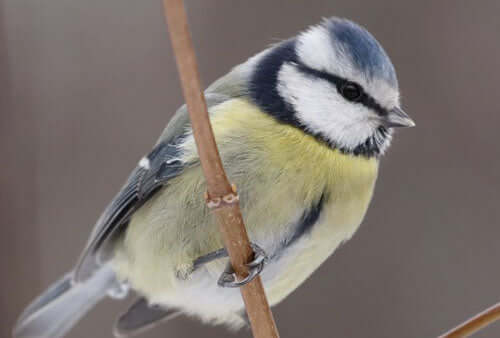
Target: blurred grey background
[(87, 86)]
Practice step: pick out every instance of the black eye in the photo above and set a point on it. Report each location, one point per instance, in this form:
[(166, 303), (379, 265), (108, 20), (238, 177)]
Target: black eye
[(351, 91)]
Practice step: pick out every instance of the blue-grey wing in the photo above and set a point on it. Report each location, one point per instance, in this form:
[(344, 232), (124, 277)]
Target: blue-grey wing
[(152, 173)]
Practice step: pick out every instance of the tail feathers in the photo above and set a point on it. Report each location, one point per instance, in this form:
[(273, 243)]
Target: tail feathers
[(59, 308), (141, 316)]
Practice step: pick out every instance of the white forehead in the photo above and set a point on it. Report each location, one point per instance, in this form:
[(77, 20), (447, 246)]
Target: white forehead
[(343, 48)]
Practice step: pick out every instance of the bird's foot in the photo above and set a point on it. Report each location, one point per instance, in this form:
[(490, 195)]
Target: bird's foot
[(228, 278)]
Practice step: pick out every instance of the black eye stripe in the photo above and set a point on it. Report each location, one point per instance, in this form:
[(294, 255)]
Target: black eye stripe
[(338, 81)]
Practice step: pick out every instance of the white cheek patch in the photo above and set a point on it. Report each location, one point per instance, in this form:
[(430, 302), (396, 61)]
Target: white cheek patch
[(322, 110)]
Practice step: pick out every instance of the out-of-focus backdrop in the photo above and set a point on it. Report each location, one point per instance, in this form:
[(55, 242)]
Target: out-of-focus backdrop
[(87, 86)]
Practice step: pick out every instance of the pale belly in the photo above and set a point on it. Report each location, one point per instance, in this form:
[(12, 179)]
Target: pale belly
[(197, 293), (284, 174)]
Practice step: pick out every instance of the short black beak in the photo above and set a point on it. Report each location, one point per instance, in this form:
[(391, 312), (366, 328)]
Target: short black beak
[(398, 118)]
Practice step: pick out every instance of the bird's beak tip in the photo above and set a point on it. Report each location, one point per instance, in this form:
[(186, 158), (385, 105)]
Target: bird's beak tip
[(411, 124), (397, 118)]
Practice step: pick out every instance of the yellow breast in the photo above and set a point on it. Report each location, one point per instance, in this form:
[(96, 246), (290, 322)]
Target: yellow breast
[(280, 171), (241, 127), (294, 170)]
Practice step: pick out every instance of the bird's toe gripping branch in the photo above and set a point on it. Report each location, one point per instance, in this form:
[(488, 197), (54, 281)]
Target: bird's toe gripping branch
[(228, 278)]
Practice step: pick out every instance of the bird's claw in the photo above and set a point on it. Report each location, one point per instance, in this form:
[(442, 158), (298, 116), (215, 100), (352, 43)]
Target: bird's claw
[(228, 277)]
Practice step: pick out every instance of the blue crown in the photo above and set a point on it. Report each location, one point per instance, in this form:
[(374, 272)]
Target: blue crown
[(363, 49)]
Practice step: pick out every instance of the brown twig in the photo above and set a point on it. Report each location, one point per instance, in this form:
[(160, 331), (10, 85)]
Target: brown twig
[(228, 214), (475, 323)]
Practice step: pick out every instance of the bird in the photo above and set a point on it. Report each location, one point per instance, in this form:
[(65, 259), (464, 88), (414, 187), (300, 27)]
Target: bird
[(301, 128)]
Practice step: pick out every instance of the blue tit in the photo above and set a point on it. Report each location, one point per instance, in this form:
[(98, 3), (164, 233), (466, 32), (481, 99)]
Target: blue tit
[(301, 127)]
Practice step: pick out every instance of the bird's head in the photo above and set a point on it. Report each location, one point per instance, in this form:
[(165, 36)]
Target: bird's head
[(333, 81)]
